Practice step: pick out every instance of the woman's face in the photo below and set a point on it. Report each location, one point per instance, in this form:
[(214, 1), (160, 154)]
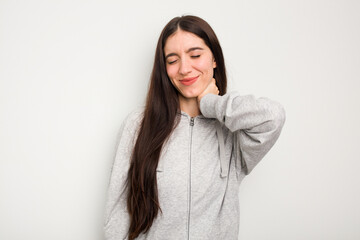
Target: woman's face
[(189, 63)]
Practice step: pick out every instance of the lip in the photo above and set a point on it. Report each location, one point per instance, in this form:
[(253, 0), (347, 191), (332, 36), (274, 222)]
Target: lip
[(188, 81)]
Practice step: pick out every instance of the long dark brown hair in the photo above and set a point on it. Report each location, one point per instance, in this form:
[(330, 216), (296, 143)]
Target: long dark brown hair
[(159, 120)]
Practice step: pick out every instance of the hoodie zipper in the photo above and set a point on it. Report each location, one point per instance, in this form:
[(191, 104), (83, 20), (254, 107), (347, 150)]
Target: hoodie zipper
[(189, 202)]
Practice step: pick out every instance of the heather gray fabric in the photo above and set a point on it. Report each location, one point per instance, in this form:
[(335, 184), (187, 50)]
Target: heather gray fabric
[(200, 168)]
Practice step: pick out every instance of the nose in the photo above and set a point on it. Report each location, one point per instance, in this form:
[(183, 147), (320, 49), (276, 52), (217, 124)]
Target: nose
[(185, 67)]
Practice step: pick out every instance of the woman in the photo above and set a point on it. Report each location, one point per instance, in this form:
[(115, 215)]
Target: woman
[(180, 161)]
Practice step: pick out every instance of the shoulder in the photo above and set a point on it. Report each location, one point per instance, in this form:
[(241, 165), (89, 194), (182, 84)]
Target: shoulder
[(133, 119), (130, 125)]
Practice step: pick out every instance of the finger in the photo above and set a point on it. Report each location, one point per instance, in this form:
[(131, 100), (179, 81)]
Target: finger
[(213, 81)]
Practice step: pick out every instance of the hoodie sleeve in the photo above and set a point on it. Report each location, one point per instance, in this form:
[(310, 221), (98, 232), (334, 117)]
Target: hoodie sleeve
[(116, 216), (255, 122)]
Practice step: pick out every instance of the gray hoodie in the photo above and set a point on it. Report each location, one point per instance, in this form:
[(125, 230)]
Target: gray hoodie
[(200, 168)]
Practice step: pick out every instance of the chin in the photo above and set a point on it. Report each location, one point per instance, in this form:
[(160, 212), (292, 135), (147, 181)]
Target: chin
[(188, 94)]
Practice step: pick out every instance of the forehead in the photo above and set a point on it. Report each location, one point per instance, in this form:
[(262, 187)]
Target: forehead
[(182, 41)]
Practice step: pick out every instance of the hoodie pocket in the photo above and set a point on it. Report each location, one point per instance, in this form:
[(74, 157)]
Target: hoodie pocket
[(160, 182), (159, 174)]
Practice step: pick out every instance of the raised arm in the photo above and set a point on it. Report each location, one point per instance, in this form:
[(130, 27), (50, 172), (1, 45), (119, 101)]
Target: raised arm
[(256, 123)]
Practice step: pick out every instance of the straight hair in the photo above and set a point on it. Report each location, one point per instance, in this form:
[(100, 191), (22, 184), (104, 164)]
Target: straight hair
[(160, 118)]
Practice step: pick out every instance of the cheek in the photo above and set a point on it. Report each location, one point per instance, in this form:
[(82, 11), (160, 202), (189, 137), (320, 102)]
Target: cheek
[(171, 71), (206, 67)]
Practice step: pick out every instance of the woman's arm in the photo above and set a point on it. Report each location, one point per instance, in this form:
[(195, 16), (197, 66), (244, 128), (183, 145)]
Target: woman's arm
[(116, 215), (257, 123)]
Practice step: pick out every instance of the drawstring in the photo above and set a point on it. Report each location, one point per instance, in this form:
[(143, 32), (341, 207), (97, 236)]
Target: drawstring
[(223, 163)]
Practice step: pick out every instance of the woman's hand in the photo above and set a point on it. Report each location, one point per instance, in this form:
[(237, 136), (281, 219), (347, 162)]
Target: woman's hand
[(211, 88)]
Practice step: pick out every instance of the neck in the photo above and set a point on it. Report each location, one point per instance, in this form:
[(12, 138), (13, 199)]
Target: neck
[(189, 105)]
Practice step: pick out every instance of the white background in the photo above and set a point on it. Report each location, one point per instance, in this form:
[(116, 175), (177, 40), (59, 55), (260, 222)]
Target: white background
[(70, 71)]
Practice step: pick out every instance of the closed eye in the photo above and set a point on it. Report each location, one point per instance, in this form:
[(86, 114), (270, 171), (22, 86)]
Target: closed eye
[(172, 62), (195, 56)]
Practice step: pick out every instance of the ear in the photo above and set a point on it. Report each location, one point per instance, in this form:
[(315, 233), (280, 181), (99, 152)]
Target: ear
[(214, 63)]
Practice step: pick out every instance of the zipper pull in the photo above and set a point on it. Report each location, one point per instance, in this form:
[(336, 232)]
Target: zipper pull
[(191, 121)]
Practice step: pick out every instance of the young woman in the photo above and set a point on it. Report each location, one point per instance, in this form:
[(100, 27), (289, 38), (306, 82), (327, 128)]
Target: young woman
[(180, 161)]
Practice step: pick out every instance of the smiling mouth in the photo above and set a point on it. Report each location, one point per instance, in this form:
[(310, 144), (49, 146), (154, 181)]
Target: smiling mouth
[(188, 81)]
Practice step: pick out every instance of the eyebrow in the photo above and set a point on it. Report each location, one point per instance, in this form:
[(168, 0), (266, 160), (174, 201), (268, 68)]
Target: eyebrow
[(189, 50)]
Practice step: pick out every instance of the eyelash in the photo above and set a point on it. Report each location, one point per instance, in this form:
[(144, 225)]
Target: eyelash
[(196, 56)]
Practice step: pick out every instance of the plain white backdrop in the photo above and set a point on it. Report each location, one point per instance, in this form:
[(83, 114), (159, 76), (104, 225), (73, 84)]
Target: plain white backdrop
[(70, 71)]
